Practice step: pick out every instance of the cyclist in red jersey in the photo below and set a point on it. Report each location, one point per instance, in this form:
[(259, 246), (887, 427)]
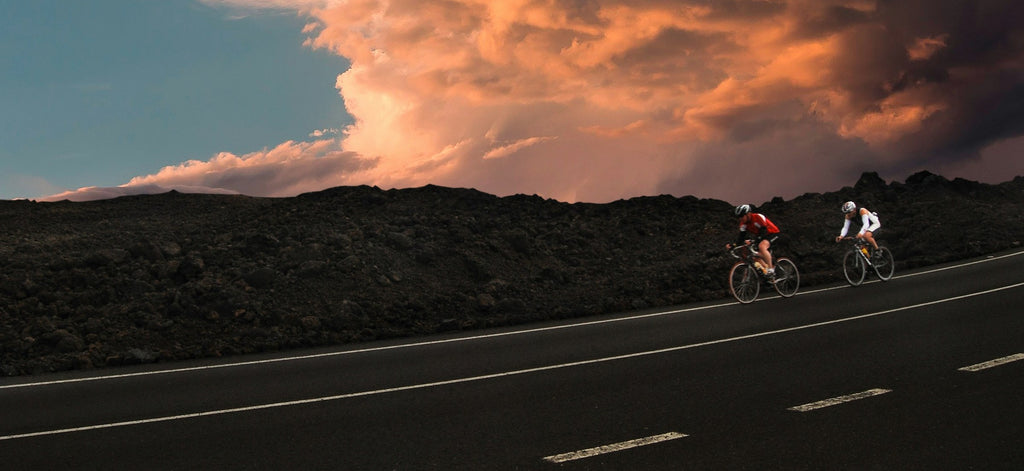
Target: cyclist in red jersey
[(756, 228)]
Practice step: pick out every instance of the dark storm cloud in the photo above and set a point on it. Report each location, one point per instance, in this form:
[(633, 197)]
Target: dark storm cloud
[(979, 73)]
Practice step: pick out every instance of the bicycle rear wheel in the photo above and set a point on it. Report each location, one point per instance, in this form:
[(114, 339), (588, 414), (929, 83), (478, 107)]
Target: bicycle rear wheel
[(853, 268), (882, 261), (744, 283), (787, 277)]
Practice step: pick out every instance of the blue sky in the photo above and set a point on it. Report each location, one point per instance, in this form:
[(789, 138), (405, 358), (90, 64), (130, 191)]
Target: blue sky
[(94, 93)]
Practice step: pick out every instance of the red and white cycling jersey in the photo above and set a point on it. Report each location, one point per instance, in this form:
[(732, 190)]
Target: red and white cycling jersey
[(758, 225)]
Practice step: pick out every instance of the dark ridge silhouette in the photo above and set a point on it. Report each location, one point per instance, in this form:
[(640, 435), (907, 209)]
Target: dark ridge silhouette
[(176, 276)]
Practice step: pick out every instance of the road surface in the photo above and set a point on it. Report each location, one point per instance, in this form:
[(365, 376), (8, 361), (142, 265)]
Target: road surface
[(922, 372)]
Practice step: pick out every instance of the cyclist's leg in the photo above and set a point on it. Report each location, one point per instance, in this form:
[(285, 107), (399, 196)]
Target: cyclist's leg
[(870, 237), (762, 249)]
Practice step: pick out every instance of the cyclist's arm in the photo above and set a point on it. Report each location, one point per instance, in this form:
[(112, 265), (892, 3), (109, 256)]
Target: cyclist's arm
[(866, 221), (872, 223), (741, 238), (846, 228)]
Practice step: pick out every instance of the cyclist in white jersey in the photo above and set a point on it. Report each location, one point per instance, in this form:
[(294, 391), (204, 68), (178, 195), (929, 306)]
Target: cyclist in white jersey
[(869, 223)]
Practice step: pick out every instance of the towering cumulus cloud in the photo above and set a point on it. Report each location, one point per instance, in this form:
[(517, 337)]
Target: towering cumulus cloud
[(594, 100)]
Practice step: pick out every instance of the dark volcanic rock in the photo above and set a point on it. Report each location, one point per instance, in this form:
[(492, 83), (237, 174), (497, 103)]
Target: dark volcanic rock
[(174, 276)]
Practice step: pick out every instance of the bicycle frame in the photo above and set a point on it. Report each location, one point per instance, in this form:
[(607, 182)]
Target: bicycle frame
[(861, 248), (745, 278), (855, 270), (753, 251), (747, 256)]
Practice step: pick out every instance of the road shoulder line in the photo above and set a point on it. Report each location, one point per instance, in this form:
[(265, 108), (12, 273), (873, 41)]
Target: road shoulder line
[(468, 338)]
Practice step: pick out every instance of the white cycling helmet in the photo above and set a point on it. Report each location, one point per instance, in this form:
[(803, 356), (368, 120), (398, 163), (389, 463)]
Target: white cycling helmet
[(849, 207), (742, 209)]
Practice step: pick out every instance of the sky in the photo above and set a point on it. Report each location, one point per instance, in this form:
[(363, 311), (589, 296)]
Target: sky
[(576, 100)]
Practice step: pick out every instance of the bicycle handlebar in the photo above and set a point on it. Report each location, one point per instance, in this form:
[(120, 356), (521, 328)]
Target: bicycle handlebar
[(751, 245), (734, 251)]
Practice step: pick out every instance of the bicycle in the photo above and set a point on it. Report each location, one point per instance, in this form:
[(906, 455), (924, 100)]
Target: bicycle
[(747, 275), (858, 259)]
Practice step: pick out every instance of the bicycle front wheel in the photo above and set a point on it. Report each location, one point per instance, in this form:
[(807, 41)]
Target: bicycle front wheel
[(882, 261), (744, 283), (853, 268), (787, 278)]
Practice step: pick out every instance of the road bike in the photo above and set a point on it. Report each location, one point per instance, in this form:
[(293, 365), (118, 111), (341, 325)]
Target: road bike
[(748, 274), (860, 257)]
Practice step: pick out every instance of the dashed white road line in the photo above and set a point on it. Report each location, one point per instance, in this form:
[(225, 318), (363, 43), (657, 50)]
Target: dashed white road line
[(993, 363), (840, 400), (601, 450)]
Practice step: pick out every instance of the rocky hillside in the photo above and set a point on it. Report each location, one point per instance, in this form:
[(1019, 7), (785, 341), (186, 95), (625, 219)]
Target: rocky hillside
[(175, 276)]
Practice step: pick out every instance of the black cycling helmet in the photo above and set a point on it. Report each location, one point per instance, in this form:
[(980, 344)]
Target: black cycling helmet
[(742, 209)]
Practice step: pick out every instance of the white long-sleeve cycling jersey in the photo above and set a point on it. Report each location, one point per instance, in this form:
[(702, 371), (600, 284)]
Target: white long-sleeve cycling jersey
[(869, 222)]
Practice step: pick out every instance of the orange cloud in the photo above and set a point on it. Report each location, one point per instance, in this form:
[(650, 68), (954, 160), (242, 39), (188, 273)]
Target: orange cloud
[(925, 48), (607, 99), (286, 170)]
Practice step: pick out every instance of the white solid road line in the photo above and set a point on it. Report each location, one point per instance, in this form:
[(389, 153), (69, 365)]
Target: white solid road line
[(453, 340), (365, 350), (993, 363), (840, 400), (513, 372), (601, 450)]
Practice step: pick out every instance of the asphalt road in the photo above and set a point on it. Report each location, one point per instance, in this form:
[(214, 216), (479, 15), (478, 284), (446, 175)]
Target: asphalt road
[(922, 372)]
